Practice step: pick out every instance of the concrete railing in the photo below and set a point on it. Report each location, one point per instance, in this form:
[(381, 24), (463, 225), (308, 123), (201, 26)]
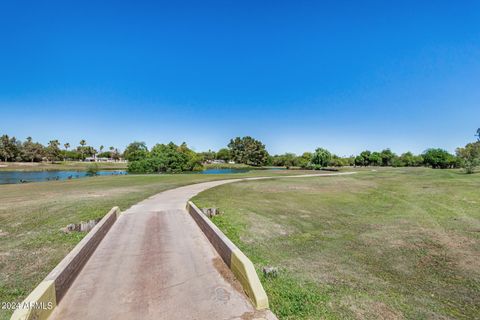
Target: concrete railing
[(44, 298), (240, 265)]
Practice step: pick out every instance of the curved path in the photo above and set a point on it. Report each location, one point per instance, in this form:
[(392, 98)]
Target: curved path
[(155, 263)]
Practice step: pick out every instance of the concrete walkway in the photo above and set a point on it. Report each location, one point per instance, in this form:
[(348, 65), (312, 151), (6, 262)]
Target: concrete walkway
[(155, 263)]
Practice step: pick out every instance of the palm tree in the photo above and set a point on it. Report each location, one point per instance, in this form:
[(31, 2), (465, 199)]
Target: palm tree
[(111, 148), (67, 146), (82, 143)]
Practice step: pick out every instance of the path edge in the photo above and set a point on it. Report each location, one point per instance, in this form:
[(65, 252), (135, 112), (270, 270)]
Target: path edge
[(239, 263), (41, 302)]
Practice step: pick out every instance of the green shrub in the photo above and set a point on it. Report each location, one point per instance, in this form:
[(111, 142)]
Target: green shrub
[(92, 170), (167, 158)]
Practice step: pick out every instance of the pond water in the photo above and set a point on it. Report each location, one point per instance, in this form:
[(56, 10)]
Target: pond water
[(12, 177), (9, 177)]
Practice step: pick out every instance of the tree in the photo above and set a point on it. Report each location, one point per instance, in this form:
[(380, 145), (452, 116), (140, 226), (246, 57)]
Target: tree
[(339, 161), (289, 160), (32, 151), (208, 155), (407, 159), (66, 145), (304, 160), (112, 149), (375, 159), (89, 151), (52, 151), (366, 158), (136, 151), (470, 156), (168, 158), (223, 154), (360, 161), (9, 148), (321, 158), (439, 159), (478, 134), (387, 156), (284, 160), (363, 159), (115, 154), (249, 151), (81, 148)]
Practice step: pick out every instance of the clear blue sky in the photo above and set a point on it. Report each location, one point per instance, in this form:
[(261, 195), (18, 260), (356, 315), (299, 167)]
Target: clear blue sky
[(346, 75)]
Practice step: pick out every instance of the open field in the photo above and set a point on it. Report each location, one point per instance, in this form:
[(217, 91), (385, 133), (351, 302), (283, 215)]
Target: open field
[(31, 215), (67, 165), (384, 244)]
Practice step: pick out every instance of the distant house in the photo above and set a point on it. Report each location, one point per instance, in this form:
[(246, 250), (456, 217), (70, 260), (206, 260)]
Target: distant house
[(102, 159), (216, 161)]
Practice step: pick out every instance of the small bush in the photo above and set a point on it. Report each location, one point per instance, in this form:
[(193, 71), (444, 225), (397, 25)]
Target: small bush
[(92, 170)]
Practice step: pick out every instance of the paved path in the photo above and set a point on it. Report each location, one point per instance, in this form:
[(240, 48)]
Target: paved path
[(155, 263)]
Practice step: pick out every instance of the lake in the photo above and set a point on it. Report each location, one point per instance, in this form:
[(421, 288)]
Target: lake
[(9, 177), (12, 177)]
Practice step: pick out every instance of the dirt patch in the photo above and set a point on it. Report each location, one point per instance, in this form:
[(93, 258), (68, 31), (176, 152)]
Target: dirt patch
[(459, 250), (262, 228), (104, 193), (367, 309)]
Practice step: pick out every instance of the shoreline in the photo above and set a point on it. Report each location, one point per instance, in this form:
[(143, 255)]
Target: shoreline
[(59, 166)]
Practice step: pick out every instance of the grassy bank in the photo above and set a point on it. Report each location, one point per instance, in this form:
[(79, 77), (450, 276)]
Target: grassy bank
[(227, 166), (67, 165), (31, 215), (390, 244)]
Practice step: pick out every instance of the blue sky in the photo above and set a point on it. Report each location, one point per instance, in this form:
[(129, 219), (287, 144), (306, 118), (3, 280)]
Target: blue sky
[(346, 75)]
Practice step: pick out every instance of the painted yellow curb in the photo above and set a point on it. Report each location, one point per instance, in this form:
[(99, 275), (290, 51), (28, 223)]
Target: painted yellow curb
[(245, 272), (39, 304), (238, 262), (44, 298)]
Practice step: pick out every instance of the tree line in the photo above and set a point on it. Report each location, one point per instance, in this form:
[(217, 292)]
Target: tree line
[(175, 158), (14, 150), (252, 152)]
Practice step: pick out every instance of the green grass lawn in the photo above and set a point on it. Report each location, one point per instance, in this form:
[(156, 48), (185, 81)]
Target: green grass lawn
[(31, 215), (67, 165), (384, 244)]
